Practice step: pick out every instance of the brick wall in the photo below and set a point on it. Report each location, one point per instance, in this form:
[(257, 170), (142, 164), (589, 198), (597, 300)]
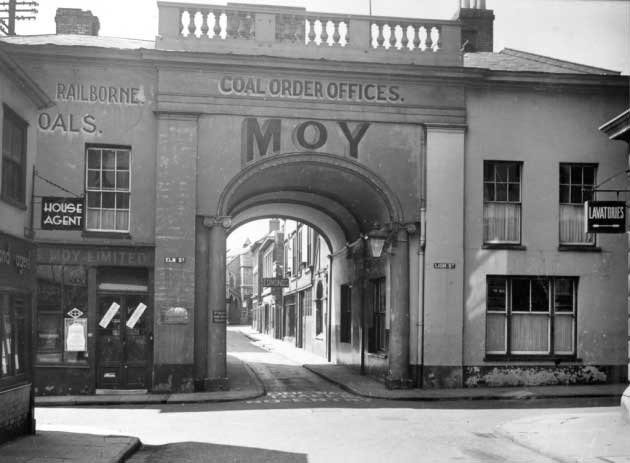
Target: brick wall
[(14, 418), (76, 21)]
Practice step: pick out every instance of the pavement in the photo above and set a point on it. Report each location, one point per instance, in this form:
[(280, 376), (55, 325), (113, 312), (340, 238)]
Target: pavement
[(564, 437)]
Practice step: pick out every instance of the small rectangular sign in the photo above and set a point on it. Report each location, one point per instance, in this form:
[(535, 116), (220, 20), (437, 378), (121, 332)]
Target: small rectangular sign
[(75, 334), (219, 316), (444, 265), (62, 213), (104, 323), (275, 282), (605, 216), (174, 260)]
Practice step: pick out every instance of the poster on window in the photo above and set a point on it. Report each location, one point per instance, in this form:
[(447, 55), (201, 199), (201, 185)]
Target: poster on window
[(75, 334), (107, 318), (62, 213), (135, 316)]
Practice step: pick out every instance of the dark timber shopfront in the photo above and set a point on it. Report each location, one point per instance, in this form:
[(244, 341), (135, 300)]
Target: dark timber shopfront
[(94, 319)]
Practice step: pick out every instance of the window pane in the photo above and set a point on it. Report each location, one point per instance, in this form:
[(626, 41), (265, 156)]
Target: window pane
[(501, 170), (122, 180), (49, 339), (109, 200), (94, 159), (589, 175), (109, 159), (495, 333), (502, 223), (488, 171), (94, 179), (540, 295), (514, 192), (501, 190), (563, 295), (576, 195), (588, 195), (530, 333), (514, 172), (109, 179), (93, 219), (94, 199), (488, 192), (496, 297), (563, 334), (520, 294), (572, 225), (122, 160), (565, 173), (122, 200), (565, 196), (576, 175), (108, 218)]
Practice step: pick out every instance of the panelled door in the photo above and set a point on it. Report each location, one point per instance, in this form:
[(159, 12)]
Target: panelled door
[(123, 341)]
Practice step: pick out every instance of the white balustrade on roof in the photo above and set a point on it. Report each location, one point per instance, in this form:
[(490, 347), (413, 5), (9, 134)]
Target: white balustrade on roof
[(295, 32)]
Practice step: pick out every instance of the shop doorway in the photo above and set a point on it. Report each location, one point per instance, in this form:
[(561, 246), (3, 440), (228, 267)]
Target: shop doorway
[(123, 341)]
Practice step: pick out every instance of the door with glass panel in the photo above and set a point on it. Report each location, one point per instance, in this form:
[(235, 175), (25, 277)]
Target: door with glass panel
[(123, 343)]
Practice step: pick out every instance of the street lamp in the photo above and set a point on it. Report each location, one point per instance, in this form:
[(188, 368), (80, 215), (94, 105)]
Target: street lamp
[(377, 238)]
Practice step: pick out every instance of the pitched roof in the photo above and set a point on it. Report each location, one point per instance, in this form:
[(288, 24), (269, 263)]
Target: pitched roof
[(73, 40), (507, 59), (512, 60)]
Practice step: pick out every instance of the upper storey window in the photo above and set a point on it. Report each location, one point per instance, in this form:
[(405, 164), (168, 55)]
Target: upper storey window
[(577, 182), (108, 188), (14, 130), (501, 202)]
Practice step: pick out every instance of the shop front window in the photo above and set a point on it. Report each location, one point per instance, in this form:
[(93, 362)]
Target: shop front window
[(13, 334), (62, 308)]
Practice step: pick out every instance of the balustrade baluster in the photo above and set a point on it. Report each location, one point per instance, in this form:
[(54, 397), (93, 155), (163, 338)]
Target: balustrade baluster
[(336, 36), (404, 40), (191, 22), (300, 29), (311, 32), (380, 39), (217, 23), (437, 44), (204, 23), (429, 40), (392, 36), (324, 34), (416, 38)]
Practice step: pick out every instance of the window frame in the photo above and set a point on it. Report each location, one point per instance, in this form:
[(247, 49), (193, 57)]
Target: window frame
[(576, 244), (379, 343), (8, 303), (101, 190), (552, 312), (494, 182), (10, 117)]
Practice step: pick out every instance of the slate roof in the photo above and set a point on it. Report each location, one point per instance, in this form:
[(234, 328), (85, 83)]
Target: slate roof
[(508, 59), (72, 40), (512, 60)]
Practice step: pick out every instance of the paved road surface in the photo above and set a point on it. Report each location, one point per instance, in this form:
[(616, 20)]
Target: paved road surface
[(303, 418)]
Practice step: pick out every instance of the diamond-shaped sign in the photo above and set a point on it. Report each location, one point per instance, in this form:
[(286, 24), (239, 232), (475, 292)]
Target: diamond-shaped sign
[(75, 313)]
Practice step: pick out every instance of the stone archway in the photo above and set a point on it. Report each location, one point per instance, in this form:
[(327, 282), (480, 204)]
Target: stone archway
[(339, 196)]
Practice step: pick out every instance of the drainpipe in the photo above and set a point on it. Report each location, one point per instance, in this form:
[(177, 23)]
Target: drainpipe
[(420, 322)]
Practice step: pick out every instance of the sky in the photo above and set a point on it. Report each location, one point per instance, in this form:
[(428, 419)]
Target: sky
[(592, 32)]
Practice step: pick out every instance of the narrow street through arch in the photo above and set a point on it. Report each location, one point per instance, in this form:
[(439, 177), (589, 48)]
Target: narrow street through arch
[(284, 378)]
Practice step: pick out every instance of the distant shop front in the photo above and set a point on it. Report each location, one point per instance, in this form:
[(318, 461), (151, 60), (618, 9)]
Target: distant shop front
[(93, 319)]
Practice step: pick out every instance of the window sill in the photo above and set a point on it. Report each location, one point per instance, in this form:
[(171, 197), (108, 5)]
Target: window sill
[(530, 358), (505, 246), (12, 202), (108, 235), (62, 365), (578, 248), (379, 355)]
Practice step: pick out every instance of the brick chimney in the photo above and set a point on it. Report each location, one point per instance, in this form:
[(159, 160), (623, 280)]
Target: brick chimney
[(477, 25), (76, 21), (274, 225)]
